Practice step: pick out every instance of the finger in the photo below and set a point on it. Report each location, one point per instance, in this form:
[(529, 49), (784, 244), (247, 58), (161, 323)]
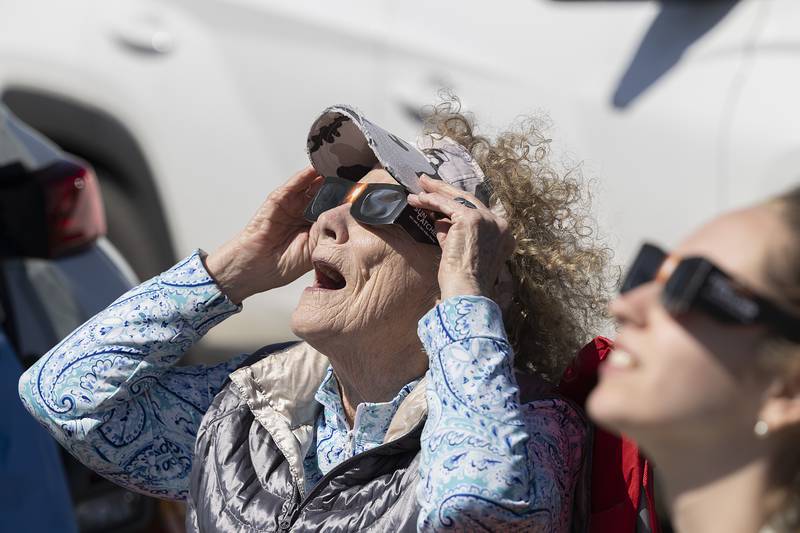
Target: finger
[(294, 195), (413, 201), (442, 187), (436, 202), (442, 228), (315, 185), (301, 180)]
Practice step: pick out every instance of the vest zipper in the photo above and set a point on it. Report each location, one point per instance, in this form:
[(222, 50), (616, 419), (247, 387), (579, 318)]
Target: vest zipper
[(292, 516)]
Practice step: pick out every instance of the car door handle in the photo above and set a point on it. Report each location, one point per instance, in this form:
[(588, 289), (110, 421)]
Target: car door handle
[(144, 34)]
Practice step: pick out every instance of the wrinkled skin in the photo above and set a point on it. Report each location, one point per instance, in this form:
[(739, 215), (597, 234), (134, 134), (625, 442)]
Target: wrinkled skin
[(475, 242), (367, 327), (273, 248), (390, 283)]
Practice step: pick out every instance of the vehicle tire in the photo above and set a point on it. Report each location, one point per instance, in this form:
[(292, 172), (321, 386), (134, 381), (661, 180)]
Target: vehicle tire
[(130, 228)]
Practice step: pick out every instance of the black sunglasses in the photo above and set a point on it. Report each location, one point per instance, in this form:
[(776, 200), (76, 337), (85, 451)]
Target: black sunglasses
[(695, 282), (374, 204)]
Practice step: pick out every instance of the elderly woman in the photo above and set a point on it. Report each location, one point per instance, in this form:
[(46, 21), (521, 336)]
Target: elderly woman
[(400, 409), (707, 371)]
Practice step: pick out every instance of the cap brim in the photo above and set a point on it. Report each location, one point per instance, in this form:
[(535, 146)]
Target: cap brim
[(343, 143)]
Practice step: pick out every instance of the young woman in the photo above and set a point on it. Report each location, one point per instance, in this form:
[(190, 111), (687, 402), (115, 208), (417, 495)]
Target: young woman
[(706, 373)]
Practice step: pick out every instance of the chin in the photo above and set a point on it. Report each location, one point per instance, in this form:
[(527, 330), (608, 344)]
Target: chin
[(311, 321), (610, 410), (303, 324), (644, 420)]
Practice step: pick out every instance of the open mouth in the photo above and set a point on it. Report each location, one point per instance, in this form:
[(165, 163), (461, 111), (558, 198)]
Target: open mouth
[(327, 277)]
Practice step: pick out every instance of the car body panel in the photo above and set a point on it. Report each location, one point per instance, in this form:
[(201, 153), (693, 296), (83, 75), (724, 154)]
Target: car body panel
[(33, 495), (676, 110), (50, 298)]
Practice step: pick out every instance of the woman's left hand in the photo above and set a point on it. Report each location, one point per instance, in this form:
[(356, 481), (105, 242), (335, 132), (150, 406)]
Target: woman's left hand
[(475, 242)]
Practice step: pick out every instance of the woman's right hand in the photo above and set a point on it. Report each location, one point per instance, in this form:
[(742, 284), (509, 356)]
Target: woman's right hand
[(273, 249)]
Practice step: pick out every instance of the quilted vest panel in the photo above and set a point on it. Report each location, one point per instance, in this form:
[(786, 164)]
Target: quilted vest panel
[(242, 482)]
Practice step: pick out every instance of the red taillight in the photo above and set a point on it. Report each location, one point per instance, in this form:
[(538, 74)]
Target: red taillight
[(73, 208), (50, 212)]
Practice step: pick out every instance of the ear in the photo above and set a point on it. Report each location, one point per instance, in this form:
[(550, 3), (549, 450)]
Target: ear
[(781, 408)]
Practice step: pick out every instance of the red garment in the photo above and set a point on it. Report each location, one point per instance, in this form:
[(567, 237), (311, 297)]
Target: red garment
[(620, 474)]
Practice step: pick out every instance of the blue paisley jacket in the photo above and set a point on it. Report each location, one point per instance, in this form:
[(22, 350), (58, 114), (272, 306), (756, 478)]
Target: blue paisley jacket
[(112, 395)]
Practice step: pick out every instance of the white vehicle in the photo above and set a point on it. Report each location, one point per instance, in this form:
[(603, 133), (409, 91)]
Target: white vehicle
[(193, 110)]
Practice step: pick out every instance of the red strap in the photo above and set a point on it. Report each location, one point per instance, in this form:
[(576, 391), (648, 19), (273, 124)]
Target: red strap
[(619, 472), (580, 377)]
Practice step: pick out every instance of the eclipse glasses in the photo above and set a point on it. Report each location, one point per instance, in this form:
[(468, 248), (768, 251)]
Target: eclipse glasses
[(374, 204), (696, 283)]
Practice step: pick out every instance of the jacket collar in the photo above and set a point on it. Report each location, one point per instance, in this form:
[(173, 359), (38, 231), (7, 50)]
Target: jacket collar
[(279, 390), (284, 384)]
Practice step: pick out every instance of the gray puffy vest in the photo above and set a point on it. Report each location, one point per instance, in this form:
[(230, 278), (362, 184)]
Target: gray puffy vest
[(248, 476)]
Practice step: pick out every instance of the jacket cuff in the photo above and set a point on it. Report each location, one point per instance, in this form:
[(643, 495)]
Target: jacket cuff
[(200, 300), (459, 318)]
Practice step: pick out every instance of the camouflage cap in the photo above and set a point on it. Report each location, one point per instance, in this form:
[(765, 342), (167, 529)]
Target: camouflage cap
[(343, 142)]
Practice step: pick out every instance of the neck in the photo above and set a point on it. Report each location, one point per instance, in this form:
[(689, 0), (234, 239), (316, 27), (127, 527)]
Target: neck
[(703, 480), (374, 372)]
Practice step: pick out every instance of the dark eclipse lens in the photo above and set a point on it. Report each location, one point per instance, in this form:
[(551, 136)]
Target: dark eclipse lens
[(683, 287), (381, 203), (328, 197), (644, 267)]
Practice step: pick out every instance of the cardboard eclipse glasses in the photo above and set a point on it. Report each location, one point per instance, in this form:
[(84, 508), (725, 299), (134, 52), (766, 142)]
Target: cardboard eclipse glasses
[(695, 282), (374, 204)]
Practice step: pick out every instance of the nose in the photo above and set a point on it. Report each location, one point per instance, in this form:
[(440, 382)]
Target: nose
[(331, 225), (632, 307)]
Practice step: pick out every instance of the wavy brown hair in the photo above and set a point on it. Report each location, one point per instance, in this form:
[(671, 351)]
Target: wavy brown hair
[(781, 358), (559, 268)]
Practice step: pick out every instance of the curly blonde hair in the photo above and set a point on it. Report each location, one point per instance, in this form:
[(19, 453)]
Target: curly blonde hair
[(559, 268)]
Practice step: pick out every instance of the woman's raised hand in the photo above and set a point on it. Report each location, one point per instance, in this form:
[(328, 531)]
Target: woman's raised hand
[(475, 242), (273, 249)]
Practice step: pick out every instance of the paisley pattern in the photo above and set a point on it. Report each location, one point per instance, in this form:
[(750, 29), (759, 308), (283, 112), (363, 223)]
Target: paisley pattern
[(111, 394), (489, 463), (335, 441)]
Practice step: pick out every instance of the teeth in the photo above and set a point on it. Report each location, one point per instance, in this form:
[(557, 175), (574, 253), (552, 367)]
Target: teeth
[(621, 359), (331, 275)]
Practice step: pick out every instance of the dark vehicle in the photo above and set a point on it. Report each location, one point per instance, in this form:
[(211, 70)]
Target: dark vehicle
[(56, 271)]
